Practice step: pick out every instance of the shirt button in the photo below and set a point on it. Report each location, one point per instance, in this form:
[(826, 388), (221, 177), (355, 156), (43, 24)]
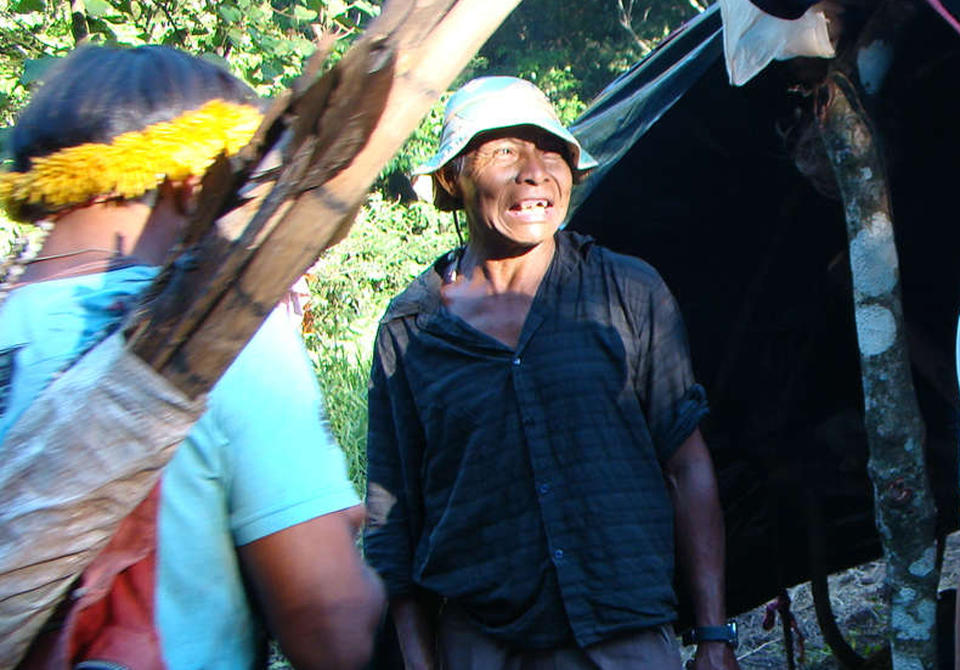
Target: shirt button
[(544, 489), (558, 555), (516, 361)]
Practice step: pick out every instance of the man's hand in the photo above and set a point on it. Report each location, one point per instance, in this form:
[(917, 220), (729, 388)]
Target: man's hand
[(415, 633), (714, 656)]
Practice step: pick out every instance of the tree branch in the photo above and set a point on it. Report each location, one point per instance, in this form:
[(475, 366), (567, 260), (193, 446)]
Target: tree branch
[(78, 21), (625, 18)]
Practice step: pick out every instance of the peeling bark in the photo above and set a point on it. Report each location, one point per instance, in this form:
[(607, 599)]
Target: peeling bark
[(905, 512)]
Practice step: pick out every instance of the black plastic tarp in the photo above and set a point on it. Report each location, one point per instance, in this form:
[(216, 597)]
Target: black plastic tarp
[(701, 180)]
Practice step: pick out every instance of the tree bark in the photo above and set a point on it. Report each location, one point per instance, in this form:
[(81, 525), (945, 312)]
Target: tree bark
[(78, 21), (905, 512)]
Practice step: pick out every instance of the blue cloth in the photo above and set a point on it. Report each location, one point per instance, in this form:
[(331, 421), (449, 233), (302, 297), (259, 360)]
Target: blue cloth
[(526, 484), (259, 460), (51, 324)]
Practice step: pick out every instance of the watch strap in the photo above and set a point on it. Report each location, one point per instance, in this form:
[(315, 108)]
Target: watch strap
[(725, 633)]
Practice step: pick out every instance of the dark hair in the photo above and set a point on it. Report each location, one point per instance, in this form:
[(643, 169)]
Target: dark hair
[(453, 169), (97, 93)]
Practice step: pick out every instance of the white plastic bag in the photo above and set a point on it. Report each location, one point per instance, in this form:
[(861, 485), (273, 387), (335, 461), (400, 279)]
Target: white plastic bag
[(752, 38)]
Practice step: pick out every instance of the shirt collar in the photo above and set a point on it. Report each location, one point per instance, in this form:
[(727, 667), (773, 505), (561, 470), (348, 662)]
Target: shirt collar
[(423, 294)]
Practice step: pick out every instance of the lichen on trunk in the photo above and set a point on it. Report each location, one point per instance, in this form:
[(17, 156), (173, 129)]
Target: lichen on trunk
[(905, 512)]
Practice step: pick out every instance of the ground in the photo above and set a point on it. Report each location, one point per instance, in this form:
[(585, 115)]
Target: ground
[(858, 602)]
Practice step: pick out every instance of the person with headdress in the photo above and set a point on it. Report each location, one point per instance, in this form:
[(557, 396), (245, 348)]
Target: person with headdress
[(533, 447), (256, 519)]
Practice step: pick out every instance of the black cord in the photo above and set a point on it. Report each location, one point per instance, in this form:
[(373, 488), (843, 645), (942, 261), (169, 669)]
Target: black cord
[(456, 226)]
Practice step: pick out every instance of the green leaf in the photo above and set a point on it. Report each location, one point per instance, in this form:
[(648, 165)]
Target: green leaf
[(229, 13), (98, 8), (347, 22), (367, 8), (35, 68), (336, 7), (27, 6), (235, 36), (5, 143), (304, 47), (174, 38), (301, 13), (267, 43), (101, 27), (269, 71), (216, 59), (255, 14)]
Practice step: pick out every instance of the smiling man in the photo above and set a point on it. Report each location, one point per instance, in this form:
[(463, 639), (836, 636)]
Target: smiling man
[(533, 446)]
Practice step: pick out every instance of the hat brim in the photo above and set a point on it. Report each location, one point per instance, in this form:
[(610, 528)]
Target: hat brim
[(450, 150)]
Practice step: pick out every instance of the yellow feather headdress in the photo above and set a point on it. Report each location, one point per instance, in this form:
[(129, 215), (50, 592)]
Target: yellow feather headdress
[(135, 162)]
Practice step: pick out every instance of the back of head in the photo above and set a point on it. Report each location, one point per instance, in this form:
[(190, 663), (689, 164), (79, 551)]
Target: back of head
[(98, 93), (114, 122)]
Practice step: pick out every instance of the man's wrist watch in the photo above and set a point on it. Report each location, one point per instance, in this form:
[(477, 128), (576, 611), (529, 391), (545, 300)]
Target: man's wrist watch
[(725, 633)]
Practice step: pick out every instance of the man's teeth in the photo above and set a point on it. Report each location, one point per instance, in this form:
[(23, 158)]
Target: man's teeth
[(530, 204)]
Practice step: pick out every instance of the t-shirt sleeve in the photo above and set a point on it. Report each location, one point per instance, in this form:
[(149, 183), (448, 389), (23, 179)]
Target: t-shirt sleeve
[(674, 403), (283, 466)]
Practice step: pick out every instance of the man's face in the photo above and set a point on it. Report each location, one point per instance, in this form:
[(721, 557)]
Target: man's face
[(515, 186)]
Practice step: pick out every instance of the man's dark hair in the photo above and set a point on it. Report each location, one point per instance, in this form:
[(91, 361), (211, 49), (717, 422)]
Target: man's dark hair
[(97, 93)]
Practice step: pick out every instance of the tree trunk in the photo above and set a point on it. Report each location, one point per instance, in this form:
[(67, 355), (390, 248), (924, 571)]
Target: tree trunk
[(905, 513), (78, 21)]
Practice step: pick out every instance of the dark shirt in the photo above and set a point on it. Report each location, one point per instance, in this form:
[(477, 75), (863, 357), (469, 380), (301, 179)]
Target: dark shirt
[(526, 484)]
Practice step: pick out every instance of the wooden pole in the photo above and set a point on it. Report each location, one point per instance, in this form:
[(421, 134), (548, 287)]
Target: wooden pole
[(263, 219), (905, 512), (410, 55)]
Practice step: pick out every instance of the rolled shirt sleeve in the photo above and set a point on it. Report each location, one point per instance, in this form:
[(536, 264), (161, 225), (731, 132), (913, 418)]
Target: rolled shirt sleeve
[(673, 402), (393, 449)]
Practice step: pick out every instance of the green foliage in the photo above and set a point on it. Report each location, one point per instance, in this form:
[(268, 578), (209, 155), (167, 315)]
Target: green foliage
[(390, 245), (11, 231), (343, 379), (29, 31), (421, 144), (573, 48), (262, 41)]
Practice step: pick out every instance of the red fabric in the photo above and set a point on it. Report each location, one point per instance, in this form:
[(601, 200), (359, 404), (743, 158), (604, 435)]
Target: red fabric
[(113, 618)]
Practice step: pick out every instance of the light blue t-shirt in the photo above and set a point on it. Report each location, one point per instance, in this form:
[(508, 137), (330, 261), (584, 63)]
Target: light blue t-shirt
[(259, 460)]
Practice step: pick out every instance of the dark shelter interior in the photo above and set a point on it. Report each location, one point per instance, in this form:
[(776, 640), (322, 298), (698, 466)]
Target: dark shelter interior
[(703, 183)]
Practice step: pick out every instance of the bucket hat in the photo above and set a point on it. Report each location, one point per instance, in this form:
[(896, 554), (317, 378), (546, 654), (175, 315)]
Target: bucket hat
[(488, 103)]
